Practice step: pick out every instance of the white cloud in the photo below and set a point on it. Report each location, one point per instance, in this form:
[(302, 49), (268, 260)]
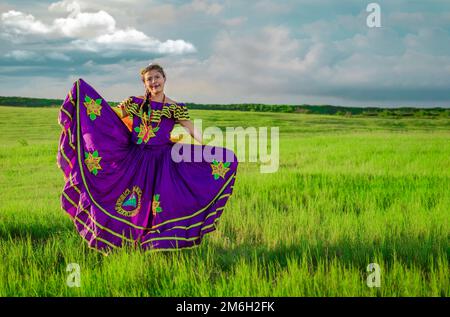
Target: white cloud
[(122, 37), (22, 55), (94, 32), (129, 40), (21, 23), (175, 47), (85, 24), (58, 57), (65, 6)]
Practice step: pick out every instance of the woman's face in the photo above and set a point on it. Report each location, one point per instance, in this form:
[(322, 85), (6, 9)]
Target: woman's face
[(154, 81)]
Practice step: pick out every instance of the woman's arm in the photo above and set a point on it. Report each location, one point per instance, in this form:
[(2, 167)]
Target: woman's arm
[(189, 126)]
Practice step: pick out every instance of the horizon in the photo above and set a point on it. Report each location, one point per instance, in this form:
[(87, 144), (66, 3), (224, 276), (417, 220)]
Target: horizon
[(265, 104)]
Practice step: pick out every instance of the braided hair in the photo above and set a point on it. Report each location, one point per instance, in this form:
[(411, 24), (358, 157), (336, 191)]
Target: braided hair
[(147, 94)]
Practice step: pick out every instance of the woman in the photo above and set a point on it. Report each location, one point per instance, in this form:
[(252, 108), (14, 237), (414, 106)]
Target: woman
[(123, 186)]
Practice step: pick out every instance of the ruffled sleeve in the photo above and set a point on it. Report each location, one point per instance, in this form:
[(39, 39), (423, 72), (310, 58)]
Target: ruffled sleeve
[(128, 107), (180, 112), (125, 111)]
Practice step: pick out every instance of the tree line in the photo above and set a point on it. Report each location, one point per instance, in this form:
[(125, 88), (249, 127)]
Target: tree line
[(304, 108)]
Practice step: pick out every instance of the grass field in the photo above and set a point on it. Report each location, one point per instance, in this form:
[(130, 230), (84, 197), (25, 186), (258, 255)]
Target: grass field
[(349, 192)]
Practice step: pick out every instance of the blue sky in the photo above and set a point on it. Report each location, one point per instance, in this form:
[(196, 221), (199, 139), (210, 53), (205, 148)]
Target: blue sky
[(231, 51)]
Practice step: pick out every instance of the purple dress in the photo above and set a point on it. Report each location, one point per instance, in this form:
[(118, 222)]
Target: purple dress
[(131, 188)]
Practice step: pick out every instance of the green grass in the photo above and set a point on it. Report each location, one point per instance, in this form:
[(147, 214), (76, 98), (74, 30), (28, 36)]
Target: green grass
[(349, 192)]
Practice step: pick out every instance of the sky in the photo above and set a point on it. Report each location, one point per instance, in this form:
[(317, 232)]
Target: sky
[(231, 51)]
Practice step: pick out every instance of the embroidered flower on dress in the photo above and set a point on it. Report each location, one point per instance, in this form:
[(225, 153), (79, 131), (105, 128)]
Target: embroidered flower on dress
[(93, 107), (156, 205), (219, 169), (92, 161), (145, 133)]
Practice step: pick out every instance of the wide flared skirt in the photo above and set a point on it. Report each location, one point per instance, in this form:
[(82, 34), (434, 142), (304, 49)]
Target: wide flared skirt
[(121, 193)]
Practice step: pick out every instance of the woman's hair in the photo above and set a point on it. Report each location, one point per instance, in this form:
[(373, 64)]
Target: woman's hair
[(147, 93)]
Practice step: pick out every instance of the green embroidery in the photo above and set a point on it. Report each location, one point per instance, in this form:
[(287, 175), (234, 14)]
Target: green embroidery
[(93, 107), (156, 208), (92, 161), (145, 133), (219, 169)]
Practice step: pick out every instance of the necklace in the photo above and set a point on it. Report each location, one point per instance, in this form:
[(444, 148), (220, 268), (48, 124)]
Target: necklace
[(145, 130), (151, 112)]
